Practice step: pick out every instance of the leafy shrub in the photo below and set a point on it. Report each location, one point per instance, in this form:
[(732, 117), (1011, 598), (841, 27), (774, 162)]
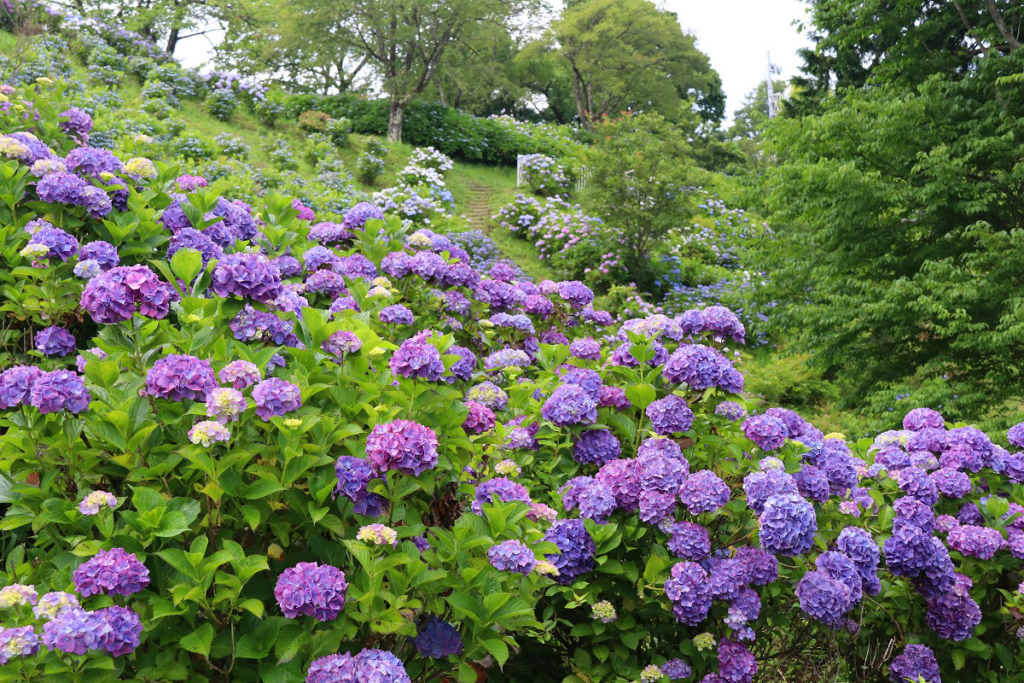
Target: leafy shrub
[(268, 111), (544, 175), (338, 130), (375, 147), (281, 155), (232, 146), (222, 103), (369, 168), (193, 148), (183, 84), (313, 121)]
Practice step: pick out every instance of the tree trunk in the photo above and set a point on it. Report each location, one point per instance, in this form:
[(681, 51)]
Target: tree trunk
[(396, 119), (172, 41)]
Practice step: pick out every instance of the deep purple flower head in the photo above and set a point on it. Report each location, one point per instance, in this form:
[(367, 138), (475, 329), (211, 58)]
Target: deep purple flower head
[(759, 566), (512, 556), (736, 664), (915, 663), (731, 410), (824, 597), (18, 642), (506, 490), (52, 392), (570, 404), (575, 292), (923, 418), (327, 233), (55, 341), (613, 397), (595, 446), (240, 374), (954, 614), (113, 296), (912, 552), (576, 546), (760, 486), (111, 572), (311, 589), (787, 525), (689, 590), (75, 631), (16, 384), (287, 265), (247, 275), (403, 446), (417, 360), (1015, 435), (353, 475), (586, 348), (396, 314), (190, 183), (61, 245), (976, 541), (689, 541), (275, 397), (437, 639), (356, 217), (812, 483), (952, 483), (916, 482), (92, 161), (620, 477), (103, 253), (75, 122), (704, 491), (342, 343), (480, 418), (179, 377), (769, 433), (670, 415), (123, 630), (676, 669), (702, 367)]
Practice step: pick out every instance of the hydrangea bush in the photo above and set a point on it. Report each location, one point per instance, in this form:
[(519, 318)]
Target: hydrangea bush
[(251, 443)]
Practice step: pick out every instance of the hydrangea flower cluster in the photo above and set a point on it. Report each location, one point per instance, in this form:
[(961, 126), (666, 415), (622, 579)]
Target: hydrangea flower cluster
[(311, 589), (111, 572)]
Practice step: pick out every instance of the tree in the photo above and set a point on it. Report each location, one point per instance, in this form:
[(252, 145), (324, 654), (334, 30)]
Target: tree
[(630, 55), (899, 41), (900, 238), (166, 21), (641, 185), (406, 40)]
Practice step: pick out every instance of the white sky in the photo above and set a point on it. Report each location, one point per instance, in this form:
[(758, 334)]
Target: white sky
[(738, 34), (735, 34)]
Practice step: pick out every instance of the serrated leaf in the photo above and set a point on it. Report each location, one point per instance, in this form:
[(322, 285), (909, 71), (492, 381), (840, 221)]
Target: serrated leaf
[(200, 640)]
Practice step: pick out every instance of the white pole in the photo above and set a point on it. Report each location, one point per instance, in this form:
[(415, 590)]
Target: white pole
[(770, 89)]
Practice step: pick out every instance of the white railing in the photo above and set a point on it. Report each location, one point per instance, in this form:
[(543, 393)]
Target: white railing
[(582, 175), (582, 178)]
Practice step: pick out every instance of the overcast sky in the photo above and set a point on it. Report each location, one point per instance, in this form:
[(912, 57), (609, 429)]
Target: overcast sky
[(736, 35)]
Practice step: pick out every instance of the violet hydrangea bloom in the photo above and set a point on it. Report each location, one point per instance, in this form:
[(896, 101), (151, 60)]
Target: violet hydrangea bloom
[(916, 662), (731, 411), (489, 394), (824, 597), (17, 594), (113, 296), (74, 631), (595, 446), (16, 384), (103, 253), (417, 360), (702, 367), (787, 525), (311, 589), (586, 348), (342, 343), (353, 475), (396, 314), (576, 293), (689, 541), (676, 669), (769, 433), (59, 390), (225, 405), (480, 418), (576, 546), (18, 642), (187, 238), (437, 639), (275, 397), (704, 491), (689, 591), (111, 572), (923, 418), (55, 341), (512, 556), (356, 217), (123, 628), (570, 404), (240, 374), (670, 415), (976, 541), (736, 664), (60, 244), (51, 604), (178, 377), (404, 446), (92, 503), (247, 275)]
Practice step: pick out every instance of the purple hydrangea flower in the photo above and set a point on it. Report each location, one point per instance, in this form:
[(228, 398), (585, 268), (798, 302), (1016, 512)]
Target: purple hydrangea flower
[(113, 296), (760, 486), (576, 293), (403, 446), (240, 374), (595, 446), (576, 546), (824, 597), (247, 275), (353, 475), (704, 491), (396, 315), (702, 367), (55, 341), (276, 397), (613, 397), (437, 639), (179, 377), (52, 392), (76, 122), (92, 161), (18, 642), (570, 404), (620, 477), (976, 541), (16, 385), (917, 662), (736, 664), (103, 253), (689, 541), (731, 410), (689, 590), (75, 631), (311, 589), (787, 525), (670, 415), (342, 343), (417, 359), (187, 238), (111, 572), (954, 614), (676, 669), (122, 632), (480, 418), (586, 348), (512, 556), (61, 244), (769, 433), (356, 217)]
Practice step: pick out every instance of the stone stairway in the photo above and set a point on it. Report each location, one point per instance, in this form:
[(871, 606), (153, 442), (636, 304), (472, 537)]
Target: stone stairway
[(479, 211)]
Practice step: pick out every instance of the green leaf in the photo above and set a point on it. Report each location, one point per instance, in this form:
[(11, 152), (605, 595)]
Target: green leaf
[(498, 649), (641, 395), (200, 640), (187, 264)]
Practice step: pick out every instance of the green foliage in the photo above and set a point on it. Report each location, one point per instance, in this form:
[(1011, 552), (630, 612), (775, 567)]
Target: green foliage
[(899, 236), (788, 380), (222, 103)]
